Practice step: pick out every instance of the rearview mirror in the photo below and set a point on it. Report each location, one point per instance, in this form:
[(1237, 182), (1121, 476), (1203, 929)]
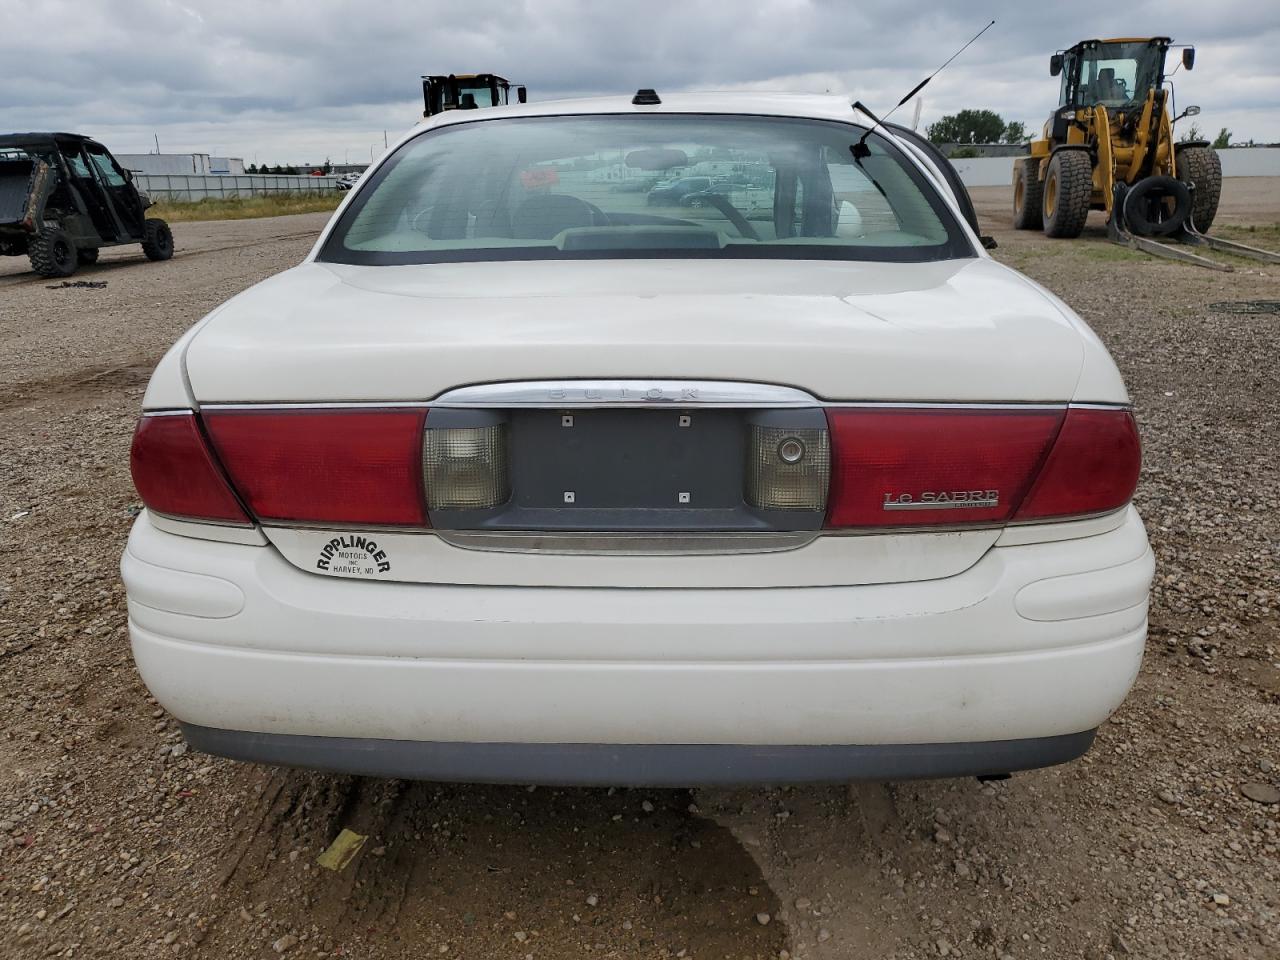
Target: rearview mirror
[(522, 94), (1191, 112), (657, 159), (1188, 57), (1055, 64)]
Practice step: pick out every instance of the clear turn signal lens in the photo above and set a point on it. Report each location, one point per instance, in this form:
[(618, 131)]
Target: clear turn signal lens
[(787, 468), (466, 468)]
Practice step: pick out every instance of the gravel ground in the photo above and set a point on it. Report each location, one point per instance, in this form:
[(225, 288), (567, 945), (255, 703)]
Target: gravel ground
[(117, 842)]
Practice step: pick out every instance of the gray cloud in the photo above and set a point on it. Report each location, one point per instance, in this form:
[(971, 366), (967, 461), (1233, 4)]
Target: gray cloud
[(298, 81)]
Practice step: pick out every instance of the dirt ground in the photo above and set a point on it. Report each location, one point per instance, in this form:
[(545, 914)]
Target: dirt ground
[(117, 842)]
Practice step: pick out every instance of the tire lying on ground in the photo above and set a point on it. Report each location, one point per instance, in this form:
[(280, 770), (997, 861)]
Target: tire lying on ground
[(1201, 167), (52, 254), (1027, 196), (1067, 191), (157, 240)]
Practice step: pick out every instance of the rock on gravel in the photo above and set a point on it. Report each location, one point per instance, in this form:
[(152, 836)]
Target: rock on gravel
[(1260, 792)]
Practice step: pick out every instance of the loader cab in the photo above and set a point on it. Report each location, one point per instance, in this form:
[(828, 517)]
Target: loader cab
[(467, 91), (1112, 73)]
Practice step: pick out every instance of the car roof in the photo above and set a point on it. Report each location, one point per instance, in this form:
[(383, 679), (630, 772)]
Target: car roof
[(37, 139), (800, 105)]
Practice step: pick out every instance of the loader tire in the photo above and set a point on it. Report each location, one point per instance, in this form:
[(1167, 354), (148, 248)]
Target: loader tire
[(52, 254), (87, 255), (1201, 168), (1028, 190), (1067, 193), (157, 240)]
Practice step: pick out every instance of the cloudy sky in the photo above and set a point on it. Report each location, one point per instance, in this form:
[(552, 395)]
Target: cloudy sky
[(293, 82)]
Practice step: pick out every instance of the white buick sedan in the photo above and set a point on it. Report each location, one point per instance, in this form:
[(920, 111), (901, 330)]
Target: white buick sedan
[(531, 474)]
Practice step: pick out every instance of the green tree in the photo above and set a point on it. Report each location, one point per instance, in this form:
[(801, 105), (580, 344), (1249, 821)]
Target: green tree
[(1015, 132), (1191, 133), (1222, 140), (968, 126)]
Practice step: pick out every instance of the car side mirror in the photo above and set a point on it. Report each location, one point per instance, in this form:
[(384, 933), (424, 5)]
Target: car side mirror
[(1188, 57), (522, 95), (1055, 64)]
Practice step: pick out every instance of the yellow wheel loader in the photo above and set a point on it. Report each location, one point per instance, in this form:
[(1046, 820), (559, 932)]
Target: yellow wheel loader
[(1109, 146)]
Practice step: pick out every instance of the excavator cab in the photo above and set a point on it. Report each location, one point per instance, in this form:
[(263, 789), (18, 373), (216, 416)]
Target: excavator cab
[(467, 91)]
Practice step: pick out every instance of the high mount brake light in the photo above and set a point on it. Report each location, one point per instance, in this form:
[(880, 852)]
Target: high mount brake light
[(325, 466), (933, 466), (175, 473)]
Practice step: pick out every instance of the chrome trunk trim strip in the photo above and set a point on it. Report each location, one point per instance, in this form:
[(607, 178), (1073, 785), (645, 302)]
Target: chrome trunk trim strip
[(561, 394), (627, 544)]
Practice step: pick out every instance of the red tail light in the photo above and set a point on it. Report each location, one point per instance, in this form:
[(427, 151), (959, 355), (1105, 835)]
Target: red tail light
[(1093, 468), (907, 467), (895, 467), (176, 475), (324, 466)]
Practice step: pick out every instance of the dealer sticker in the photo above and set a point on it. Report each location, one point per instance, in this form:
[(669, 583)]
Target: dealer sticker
[(353, 556)]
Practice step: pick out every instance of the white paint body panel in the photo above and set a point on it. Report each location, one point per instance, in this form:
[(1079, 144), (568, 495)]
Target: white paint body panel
[(938, 661), (830, 560), (967, 330)]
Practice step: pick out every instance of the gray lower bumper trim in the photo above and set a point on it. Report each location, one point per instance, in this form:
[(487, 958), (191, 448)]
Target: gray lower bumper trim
[(672, 765)]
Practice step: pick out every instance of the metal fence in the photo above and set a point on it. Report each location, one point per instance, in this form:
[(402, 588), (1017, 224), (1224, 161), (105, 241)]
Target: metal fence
[(198, 187)]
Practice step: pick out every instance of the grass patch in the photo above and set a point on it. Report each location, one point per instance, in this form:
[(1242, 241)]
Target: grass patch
[(1265, 235), (1108, 252), (245, 208)]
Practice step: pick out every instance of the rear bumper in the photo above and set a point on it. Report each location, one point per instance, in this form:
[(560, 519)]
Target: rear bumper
[(1010, 664), (649, 765)]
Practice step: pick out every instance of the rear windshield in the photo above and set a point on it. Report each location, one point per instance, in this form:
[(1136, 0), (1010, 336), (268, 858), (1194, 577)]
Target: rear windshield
[(621, 186)]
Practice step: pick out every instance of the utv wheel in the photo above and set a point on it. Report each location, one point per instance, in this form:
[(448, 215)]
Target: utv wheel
[(87, 255), (1028, 192), (157, 240), (1068, 191), (52, 254), (1202, 168)]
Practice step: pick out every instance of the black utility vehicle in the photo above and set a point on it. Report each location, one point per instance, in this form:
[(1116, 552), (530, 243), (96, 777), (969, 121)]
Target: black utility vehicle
[(63, 197)]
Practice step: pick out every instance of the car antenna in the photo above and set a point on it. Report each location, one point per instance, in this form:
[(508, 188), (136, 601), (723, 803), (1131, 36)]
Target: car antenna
[(860, 149)]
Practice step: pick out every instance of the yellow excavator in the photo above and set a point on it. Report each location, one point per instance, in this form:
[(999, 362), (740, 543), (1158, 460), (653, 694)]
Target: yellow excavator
[(1109, 145)]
